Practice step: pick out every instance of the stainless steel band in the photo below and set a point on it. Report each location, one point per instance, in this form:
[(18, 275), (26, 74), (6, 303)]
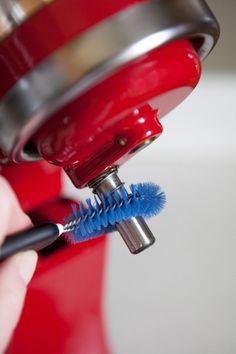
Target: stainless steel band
[(88, 59)]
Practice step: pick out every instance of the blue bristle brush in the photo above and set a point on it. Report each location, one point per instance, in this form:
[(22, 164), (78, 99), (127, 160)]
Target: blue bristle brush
[(92, 220)]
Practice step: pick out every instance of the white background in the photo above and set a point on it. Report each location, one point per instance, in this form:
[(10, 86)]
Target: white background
[(179, 297)]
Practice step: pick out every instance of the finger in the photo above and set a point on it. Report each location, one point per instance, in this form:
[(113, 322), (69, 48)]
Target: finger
[(12, 218), (15, 274)]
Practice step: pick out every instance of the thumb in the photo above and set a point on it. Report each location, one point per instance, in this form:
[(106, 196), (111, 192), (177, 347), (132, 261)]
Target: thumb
[(15, 274)]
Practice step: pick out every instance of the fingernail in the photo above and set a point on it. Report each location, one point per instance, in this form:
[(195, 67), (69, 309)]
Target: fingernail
[(27, 265)]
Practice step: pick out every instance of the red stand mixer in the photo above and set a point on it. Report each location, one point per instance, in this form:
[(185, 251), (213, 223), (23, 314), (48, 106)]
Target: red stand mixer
[(83, 88)]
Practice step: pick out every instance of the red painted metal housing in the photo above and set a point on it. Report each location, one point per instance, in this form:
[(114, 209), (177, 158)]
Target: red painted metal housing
[(84, 137), (63, 312)]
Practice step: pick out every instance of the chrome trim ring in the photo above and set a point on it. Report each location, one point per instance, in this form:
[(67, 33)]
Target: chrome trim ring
[(79, 65)]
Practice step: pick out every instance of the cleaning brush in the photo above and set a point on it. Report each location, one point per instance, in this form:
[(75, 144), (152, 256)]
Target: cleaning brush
[(92, 219)]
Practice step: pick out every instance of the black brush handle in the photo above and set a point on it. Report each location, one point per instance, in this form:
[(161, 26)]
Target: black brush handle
[(35, 238)]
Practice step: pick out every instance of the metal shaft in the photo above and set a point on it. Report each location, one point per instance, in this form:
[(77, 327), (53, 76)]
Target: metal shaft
[(134, 231)]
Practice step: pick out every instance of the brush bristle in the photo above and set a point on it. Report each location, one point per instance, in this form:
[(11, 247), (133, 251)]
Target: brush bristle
[(146, 200)]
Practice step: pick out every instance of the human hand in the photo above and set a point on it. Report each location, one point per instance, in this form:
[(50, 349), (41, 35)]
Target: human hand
[(17, 271)]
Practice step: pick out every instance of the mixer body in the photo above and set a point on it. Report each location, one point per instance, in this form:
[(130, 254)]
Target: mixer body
[(84, 87), (63, 308)]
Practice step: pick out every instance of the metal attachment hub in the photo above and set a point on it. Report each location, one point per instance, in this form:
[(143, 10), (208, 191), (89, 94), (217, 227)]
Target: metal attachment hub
[(134, 231)]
